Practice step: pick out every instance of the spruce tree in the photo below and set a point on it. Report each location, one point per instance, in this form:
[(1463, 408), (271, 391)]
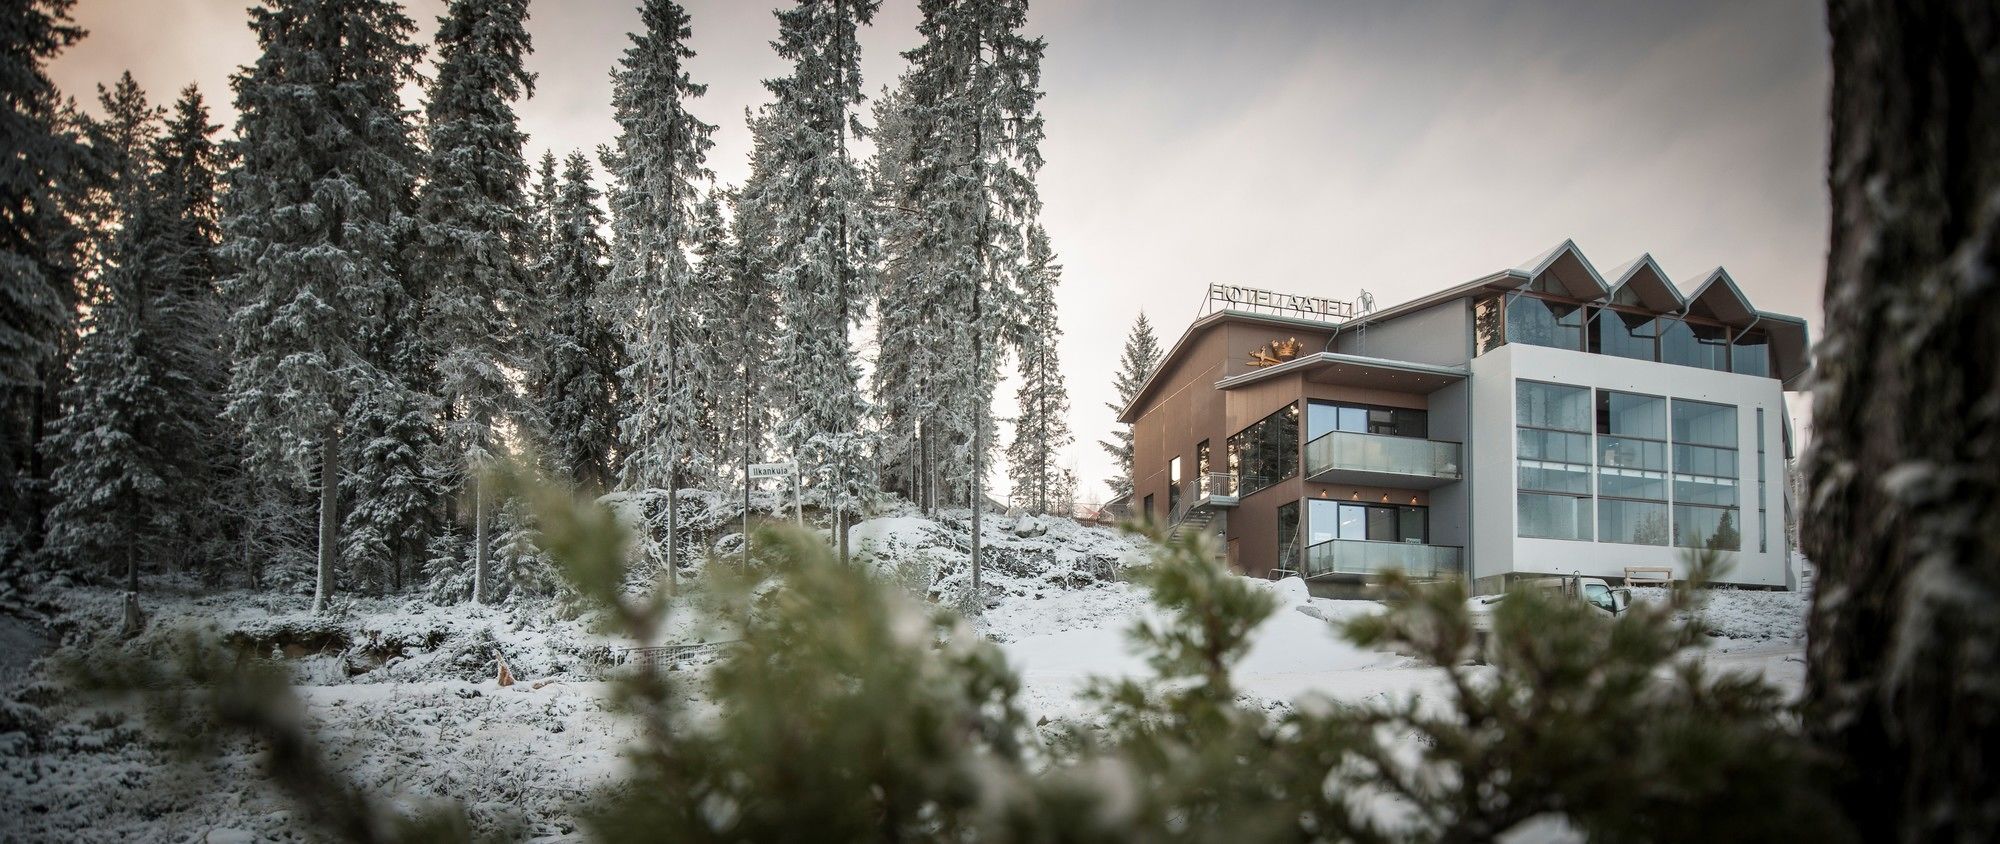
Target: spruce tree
[(975, 148), (143, 452), (1135, 365), (49, 169), (1041, 431), (317, 222), (477, 233), (914, 328), (654, 168), (822, 249), (715, 302), (109, 487), (576, 394)]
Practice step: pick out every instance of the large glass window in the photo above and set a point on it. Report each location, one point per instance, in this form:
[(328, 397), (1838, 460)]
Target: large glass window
[(1694, 344), (1486, 326), (1328, 519), (1553, 460), (1288, 536), (1174, 486), (1544, 323), (1625, 335), (1705, 476), (1763, 544), (1751, 354), (1631, 468), (1632, 522), (1266, 452), (1326, 417), (1554, 516)]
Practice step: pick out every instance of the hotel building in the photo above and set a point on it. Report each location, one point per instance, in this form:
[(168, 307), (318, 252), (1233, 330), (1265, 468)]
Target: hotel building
[(1544, 419)]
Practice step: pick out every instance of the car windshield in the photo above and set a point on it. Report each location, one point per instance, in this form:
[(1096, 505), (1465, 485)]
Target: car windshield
[(1598, 594)]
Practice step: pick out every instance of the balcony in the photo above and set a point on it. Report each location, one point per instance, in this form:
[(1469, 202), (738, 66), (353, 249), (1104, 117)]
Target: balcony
[(1381, 460), (1215, 489), (1363, 558)]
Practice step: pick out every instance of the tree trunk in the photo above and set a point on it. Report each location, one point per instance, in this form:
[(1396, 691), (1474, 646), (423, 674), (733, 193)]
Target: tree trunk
[(480, 561), (329, 513), (1903, 673), (673, 530), (132, 567)]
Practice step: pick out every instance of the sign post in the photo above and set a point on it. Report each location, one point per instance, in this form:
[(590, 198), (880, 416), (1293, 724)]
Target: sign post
[(767, 471)]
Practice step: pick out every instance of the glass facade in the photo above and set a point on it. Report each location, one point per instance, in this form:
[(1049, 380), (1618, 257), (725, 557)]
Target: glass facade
[(1751, 354), (1266, 452), (1624, 329), (1694, 344), (1552, 424), (1630, 468), (1327, 520), (1288, 536), (1540, 322), (1323, 418), (1763, 544), (1625, 335), (1705, 473)]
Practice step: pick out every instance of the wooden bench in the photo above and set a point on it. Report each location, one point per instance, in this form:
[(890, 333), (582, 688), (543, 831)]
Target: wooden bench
[(1649, 576)]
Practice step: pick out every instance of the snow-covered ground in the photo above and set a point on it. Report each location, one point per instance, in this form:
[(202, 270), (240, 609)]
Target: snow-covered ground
[(403, 697)]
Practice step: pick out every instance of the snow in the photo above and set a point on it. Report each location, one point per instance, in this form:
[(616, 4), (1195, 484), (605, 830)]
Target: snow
[(402, 695)]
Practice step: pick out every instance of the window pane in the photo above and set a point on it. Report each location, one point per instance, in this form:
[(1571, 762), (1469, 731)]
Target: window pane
[(1384, 525), (1631, 415), (1704, 460), (1702, 423), (1486, 325), (1353, 521), (1321, 419), (1714, 491), (1552, 406), (1706, 527), (1632, 483), (1692, 344), (1288, 536), (1543, 323), (1415, 524), (1353, 420), (1624, 335), (1554, 516), (1632, 454), (1266, 452), (1631, 522), (1752, 354)]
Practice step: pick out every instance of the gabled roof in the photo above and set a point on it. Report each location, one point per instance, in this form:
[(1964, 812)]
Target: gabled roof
[(1566, 265), (1717, 297), (1643, 277)]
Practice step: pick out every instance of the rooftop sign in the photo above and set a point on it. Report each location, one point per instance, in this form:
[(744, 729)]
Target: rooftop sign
[(1233, 297)]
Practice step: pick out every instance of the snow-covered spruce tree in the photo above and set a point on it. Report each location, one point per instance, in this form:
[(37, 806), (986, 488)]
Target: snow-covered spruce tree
[(108, 485), (576, 391), (822, 250), (317, 220), (1041, 431), (975, 148), (718, 399), (142, 453), (748, 328), (1135, 365), (477, 233), (913, 328), (654, 168), (49, 169)]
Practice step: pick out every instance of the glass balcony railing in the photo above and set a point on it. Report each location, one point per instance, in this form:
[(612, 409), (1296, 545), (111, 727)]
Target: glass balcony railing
[(1344, 450), (1216, 487), (1354, 556)]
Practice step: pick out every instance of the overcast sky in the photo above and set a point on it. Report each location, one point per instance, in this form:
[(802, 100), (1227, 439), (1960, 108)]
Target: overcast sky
[(1310, 147)]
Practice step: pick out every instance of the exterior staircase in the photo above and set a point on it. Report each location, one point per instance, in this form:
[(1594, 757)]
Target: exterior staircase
[(1197, 520)]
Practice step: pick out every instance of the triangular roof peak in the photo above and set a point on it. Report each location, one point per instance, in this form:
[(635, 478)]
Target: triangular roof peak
[(1570, 272), (1641, 282), (1716, 296)]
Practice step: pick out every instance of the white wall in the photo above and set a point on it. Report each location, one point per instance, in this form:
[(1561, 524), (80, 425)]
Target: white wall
[(1494, 513)]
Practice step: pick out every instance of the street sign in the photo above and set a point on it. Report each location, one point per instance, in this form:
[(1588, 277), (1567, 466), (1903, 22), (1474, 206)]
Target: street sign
[(767, 471)]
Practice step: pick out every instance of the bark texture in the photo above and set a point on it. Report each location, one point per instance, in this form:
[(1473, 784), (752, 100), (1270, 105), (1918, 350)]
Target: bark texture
[(1903, 685)]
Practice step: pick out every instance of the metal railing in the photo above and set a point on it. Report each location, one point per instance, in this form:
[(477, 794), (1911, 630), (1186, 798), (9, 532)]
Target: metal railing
[(1382, 453), (1355, 556), (1215, 489)]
